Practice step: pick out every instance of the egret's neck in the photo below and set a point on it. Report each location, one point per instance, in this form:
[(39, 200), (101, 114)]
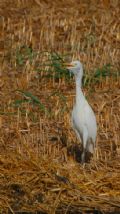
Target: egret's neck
[(79, 93)]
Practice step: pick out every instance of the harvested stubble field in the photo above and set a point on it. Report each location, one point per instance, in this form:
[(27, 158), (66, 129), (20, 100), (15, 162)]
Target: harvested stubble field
[(40, 169)]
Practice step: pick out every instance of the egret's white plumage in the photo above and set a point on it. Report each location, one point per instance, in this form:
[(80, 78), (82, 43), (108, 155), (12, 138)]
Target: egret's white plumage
[(83, 117)]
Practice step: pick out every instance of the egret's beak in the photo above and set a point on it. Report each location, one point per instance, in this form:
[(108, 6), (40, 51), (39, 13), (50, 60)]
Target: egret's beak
[(68, 65)]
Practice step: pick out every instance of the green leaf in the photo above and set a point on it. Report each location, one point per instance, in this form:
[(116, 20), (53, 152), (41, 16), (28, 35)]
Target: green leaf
[(33, 99)]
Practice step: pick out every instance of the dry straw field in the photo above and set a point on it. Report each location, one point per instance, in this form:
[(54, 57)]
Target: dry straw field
[(40, 169)]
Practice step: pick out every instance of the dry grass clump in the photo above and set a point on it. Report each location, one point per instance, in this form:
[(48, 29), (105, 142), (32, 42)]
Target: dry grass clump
[(40, 169)]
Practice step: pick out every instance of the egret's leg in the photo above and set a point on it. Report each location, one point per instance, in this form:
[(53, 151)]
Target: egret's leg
[(90, 147), (85, 139)]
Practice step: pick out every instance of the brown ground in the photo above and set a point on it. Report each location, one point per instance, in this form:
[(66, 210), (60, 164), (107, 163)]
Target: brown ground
[(40, 169)]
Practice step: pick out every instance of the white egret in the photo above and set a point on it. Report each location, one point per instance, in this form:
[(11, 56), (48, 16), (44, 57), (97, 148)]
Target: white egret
[(83, 117)]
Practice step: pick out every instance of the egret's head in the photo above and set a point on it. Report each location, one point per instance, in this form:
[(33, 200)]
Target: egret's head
[(76, 68)]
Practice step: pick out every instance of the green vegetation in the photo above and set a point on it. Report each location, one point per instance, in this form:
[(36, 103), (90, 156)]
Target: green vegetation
[(28, 97), (23, 54)]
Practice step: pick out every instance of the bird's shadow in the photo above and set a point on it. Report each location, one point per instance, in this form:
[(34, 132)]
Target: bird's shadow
[(76, 150)]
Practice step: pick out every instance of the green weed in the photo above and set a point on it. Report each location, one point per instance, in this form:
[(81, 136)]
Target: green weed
[(57, 64), (31, 99), (23, 54), (99, 75)]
